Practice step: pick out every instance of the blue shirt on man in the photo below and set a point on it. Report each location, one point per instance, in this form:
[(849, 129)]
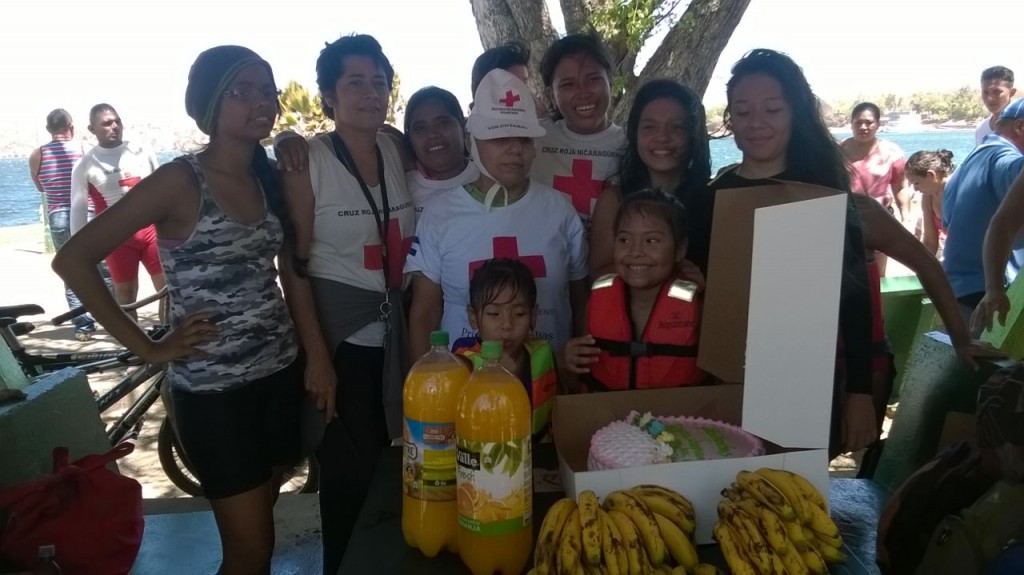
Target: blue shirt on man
[(971, 198)]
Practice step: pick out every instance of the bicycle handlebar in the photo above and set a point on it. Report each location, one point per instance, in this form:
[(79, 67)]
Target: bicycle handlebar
[(129, 307)]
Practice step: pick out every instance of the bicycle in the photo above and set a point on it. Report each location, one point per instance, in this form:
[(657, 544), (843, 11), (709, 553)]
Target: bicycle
[(303, 478)]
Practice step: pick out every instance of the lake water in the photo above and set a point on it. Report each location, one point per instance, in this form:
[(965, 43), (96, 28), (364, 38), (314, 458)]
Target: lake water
[(19, 200)]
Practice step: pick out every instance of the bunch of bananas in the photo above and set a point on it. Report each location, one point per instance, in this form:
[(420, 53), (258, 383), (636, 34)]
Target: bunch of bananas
[(644, 530), (775, 522)]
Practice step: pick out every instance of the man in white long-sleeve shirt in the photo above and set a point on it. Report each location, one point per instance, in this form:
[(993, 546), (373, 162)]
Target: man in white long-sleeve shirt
[(105, 174)]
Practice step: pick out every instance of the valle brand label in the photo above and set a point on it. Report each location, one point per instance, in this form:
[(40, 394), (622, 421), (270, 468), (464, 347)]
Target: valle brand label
[(428, 472), (494, 486)]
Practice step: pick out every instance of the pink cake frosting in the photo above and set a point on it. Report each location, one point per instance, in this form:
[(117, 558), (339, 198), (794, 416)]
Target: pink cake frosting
[(645, 440)]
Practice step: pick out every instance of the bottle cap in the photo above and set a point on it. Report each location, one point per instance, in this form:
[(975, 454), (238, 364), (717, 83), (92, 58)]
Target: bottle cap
[(491, 350), (439, 338)]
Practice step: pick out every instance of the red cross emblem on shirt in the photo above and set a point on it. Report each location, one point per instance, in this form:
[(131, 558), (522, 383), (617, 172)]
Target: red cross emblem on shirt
[(581, 186), (398, 247), (508, 247), (129, 181), (509, 99)]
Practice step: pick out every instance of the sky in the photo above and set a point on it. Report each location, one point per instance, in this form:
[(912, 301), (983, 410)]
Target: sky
[(136, 54)]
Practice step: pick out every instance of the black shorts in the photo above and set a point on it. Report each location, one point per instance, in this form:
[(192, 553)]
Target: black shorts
[(233, 439)]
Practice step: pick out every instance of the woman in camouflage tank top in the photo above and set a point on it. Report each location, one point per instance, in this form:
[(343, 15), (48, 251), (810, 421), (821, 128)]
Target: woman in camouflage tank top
[(231, 353)]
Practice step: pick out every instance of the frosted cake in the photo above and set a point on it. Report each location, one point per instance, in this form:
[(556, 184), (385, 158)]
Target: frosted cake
[(643, 439)]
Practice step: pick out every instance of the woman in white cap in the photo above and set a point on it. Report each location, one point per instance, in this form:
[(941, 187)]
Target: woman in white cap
[(501, 215)]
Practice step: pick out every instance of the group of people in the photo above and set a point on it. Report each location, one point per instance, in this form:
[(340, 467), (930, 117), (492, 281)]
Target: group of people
[(535, 221), (77, 184)]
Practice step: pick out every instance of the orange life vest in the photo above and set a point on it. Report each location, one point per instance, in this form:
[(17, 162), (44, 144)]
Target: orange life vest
[(666, 353)]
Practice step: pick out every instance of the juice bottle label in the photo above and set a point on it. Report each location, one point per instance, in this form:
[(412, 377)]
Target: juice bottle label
[(428, 472), (495, 480)]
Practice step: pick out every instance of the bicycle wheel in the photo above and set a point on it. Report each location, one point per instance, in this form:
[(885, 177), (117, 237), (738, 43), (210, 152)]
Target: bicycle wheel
[(173, 462), (302, 478)]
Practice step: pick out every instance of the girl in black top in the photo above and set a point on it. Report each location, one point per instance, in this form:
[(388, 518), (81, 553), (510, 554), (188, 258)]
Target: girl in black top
[(775, 119)]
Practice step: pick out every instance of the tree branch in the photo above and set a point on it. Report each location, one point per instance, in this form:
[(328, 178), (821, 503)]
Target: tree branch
[(691, 48), (530, 24)]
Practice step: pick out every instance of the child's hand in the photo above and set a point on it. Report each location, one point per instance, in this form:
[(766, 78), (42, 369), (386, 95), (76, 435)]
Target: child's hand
[(579, 354)]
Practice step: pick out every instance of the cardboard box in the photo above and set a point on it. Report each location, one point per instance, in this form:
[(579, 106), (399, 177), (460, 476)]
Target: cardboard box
[(785, 359)]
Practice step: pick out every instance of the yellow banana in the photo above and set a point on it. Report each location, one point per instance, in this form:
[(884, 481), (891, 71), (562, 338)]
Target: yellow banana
[(676, 497), (614, 548), (836, 541), (732, 494), (795, 533), (821, 523), (808, 535), (814, 561), (769, 524), (678, 570), (732, 550), (570, 545), (778, 567), (706, 569), (783, 481), (757, 550), (641, 515), (631, 539), (809, 492), (829, 553), (794, 560), (666, 507), (591, 527), (549, 535), (766, 493), (677, 542)]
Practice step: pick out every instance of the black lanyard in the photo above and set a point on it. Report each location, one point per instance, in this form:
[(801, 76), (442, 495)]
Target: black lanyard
[(345, 157)]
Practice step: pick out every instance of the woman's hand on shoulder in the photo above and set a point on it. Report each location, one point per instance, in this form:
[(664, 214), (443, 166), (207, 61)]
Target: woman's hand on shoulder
[(579, 353), (292, 153), (184, 340)]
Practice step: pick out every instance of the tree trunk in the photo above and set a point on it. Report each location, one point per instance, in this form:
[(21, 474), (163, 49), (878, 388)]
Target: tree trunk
[(690, 50), (502, 21)]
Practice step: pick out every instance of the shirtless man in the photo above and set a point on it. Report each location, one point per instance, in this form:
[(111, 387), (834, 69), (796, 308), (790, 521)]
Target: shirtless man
[(104, 175)]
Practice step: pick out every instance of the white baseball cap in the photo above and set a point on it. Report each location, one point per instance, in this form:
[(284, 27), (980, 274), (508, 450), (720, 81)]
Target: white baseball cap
[(503, 107)]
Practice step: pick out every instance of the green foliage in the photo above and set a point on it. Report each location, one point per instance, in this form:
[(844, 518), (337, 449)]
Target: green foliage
[(630, 22), (963, 104), (396, 103), (301, 112)]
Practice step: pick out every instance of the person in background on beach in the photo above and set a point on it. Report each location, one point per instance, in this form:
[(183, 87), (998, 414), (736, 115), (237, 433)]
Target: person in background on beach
[(103, 176), (231, 354), (1007, 224), (354, 221), (667, 149), (876, 166), (581, 149), (928, 172), (435, 135), (996, 92), (775, 118), (972, 196), (50, 167)]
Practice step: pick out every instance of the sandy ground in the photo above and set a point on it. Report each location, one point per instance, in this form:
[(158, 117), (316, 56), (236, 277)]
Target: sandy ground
[(29, 279)]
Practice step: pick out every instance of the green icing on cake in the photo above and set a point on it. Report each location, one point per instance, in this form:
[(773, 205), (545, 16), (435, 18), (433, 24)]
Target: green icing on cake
[(716, 437)]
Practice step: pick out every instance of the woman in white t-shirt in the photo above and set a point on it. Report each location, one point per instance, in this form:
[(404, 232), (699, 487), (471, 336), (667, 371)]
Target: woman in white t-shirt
[(501, 214), (354, 222), (435, 135), (581, 150)]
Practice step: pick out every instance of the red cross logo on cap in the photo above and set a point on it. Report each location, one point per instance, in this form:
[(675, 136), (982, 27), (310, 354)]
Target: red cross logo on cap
[(510, 99)]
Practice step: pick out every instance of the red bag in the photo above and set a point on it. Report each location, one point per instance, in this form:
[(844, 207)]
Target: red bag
[(91, 514)]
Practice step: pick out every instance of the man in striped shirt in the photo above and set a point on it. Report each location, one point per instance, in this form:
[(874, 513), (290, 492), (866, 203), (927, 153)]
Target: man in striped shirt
[(50, 166)]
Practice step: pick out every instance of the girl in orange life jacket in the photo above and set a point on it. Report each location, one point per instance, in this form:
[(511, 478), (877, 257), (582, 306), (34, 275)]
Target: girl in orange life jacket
[(503, 307), (642, 322)]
